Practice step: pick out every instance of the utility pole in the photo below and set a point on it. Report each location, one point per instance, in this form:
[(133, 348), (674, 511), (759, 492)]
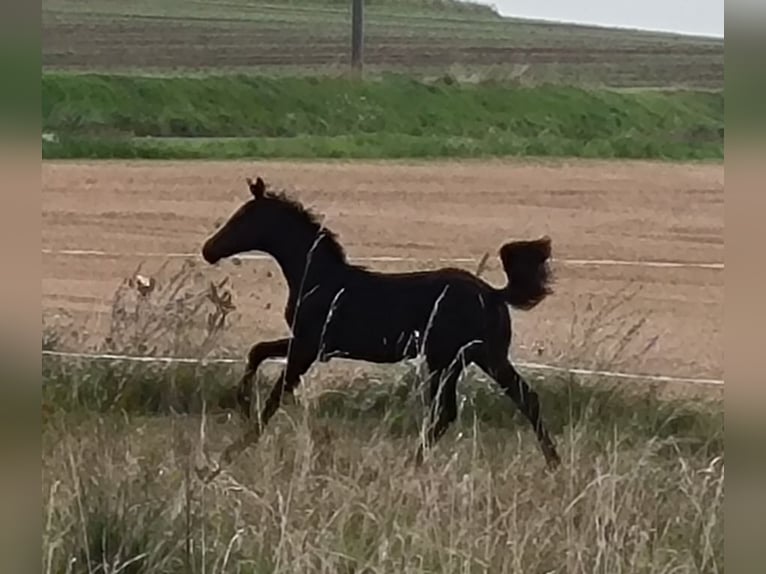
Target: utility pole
[(357, 36)]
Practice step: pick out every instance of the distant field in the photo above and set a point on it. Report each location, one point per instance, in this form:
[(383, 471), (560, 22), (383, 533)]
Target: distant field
[(430, 38)]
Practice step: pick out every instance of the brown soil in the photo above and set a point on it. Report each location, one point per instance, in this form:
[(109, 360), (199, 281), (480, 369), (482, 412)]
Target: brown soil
[(592, 210)]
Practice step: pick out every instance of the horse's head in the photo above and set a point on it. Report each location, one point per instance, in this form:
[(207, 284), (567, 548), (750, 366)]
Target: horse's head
[(248, 229)]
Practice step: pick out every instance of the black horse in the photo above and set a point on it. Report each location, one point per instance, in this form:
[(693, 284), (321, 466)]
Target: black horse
[(336, 309)]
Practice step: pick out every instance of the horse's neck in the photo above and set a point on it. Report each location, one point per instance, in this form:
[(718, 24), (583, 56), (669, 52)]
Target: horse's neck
[(305, 262)]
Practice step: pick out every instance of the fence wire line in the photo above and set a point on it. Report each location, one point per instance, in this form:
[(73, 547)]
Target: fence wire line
[(526, 365), (396, 259)]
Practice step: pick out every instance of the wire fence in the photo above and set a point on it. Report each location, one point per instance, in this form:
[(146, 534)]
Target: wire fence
[(525, 365)]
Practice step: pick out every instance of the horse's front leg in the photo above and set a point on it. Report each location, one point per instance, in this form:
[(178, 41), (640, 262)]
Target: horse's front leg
[(289, 378), (257, 355)]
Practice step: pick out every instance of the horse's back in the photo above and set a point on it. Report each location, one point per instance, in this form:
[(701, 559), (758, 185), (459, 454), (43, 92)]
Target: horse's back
[(449, 300), (449, 277), (387, 317)]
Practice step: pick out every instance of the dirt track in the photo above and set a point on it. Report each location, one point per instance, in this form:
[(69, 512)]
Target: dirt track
[(592, 210)]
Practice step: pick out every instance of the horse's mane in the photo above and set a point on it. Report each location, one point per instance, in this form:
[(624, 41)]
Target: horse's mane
[(312, 219)]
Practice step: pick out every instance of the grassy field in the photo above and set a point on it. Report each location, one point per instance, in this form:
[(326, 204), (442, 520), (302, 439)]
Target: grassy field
[(101, 116), (428, 38), (331, 486)]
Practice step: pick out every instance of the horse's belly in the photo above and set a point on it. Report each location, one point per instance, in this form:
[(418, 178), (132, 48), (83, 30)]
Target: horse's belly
[(371, 346)]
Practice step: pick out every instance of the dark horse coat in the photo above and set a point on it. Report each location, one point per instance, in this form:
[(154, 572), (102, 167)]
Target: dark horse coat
[(336, 309)]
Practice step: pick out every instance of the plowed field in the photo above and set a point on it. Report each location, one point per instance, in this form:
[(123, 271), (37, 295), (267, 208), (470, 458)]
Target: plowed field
[(170, 36), (605, 218)]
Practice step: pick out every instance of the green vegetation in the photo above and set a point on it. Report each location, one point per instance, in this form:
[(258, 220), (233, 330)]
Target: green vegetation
[(180, 8), (100, 116), (81, 386)]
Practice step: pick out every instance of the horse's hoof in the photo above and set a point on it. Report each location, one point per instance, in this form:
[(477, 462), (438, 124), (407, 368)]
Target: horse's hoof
[(290, 400), (417, 459), (206, 474), (553, 463), (243, 402), (244, 409)]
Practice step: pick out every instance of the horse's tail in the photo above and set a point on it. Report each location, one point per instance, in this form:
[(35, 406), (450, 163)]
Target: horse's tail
[(529, 277)]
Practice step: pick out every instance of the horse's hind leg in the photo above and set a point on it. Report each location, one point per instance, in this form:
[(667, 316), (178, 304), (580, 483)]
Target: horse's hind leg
[(443, 404), (526, 400)]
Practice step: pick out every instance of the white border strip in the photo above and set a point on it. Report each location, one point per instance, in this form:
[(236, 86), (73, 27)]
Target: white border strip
[(391, 259), (531, 366)]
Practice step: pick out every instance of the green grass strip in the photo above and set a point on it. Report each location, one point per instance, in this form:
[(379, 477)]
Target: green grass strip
[(109, 116)]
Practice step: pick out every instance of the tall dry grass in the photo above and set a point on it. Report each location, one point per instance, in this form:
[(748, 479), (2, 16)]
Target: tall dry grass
[(331, 486)]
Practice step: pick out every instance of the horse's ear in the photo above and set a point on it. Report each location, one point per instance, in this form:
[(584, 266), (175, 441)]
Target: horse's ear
[(257, 187)]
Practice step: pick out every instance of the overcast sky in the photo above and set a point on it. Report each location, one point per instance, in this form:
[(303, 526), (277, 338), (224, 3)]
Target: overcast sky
[(704, 17)]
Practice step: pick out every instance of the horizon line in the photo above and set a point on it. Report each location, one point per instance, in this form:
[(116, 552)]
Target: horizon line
[(620, 27)]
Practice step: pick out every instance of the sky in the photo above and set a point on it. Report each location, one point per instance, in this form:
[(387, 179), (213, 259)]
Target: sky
[(703, 17)]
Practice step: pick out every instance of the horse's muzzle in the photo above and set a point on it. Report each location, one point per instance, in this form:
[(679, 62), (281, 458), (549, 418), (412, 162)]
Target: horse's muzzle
[(208, 254)]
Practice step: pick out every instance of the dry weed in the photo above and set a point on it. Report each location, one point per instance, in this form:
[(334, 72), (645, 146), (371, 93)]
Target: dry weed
[(325, 496), (182, 315)]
